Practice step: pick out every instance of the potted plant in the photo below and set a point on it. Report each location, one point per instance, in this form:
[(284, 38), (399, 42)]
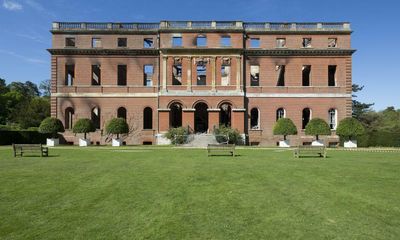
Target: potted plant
[(117, 126), (317, 127), (285, 127), (348, 129), (51, 126), (84, 126)]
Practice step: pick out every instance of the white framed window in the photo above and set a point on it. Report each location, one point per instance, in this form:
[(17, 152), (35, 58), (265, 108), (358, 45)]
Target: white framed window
[(280, 113)]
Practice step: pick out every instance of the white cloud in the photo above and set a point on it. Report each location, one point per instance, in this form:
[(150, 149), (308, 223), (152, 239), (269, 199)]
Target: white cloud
[(28, 59), (12, 5)]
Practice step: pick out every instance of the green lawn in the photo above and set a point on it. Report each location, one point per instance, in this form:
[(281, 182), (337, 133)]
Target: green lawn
[(163, 193)]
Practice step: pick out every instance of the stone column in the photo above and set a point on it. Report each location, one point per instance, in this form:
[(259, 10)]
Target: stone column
[(238, 73), (164, 72), (189, 75), (213, 72)]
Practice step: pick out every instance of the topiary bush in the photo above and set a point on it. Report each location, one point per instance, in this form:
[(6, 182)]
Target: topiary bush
[(350, 128), (51, 126), (225, 134), (285, 127), (317, 127), (84, 126), (117, 126), (177, 135)]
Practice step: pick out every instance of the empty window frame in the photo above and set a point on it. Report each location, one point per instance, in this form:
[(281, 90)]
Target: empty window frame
[(225, 41), (121, 113), (147, 118), (332, 75), (201, 71), (122, 75), (95, 117), (306, 116), (306, 75), (96, 42), (201, 41), (280, 74), (225, 75), (148, 43), (70, 42), (332, 117), (254, 75), (255, 119), (69, 118), (148, 75), (69, 74), (96, 75), (177, 74), (307, 42), (122, 42), (280, 113), (177, 41), (254, 42), (332, 42), (281, 42)]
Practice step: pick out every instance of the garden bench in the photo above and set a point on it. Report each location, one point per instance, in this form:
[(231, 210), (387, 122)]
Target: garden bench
[(230, 148), (20, 149), (309, 150)]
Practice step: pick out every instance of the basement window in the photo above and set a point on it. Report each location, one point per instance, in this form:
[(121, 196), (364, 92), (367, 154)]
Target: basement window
[(201, 71), (177, 74), (201, 41), (69, 75), (148, 43), (96, 75), (254, 75), (281, 42), (254, 42), (332, 42), (148, 75), (225, 41), (306, 42), (177, 41), (332, 75), (280, 69), (96, 42), (306, 72), (70, 42), (122, 42), (122, 75)]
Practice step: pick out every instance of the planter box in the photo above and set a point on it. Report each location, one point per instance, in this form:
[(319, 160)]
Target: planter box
[(318, 143), (284, 143), (84, 142), (116, 142), (350, 144), (51, 142)]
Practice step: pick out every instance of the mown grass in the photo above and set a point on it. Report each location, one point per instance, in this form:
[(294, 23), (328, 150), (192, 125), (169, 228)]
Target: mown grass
[(167, 193)]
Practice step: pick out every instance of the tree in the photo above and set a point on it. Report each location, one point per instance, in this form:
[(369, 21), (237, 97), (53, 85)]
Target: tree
[(117, 126), (349, 128), (84, 126), (317, 127), (52, 126), (27, 89), (359, 108), (285, 127), (30, 112), (45, 88), (3, 86)]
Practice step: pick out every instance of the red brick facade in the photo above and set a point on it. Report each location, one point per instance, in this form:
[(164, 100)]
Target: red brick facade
[(227, 93)]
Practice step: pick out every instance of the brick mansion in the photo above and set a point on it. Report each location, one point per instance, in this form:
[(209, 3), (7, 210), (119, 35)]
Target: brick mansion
[(201, 74)]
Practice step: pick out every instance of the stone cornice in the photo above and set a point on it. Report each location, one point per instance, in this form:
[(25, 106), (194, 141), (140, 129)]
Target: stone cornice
[(190, 51), (299, 52), (100, 51)]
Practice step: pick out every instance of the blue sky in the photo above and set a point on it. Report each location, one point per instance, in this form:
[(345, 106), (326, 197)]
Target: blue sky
[(25, 24)]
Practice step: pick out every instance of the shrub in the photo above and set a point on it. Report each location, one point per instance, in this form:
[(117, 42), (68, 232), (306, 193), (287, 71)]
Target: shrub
[(177, 135), (117, 126), (84, 126), (228, 134), (349, 128), (317, 127), (8, 137), (51, 126), (285, 127)]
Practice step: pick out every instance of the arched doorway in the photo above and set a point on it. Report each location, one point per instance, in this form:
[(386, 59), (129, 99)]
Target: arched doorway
[(201, 118), (225, 114), (175, 115)]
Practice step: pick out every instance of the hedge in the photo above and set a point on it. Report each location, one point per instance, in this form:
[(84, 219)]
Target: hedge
[(22, 136)]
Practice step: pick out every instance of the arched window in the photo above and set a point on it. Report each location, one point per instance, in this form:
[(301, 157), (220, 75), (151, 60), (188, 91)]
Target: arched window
[(254, 118), (332, 117), (280, 113), (306, 117), (69, 118), (148, 118), (121, 113), (96, 117)]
